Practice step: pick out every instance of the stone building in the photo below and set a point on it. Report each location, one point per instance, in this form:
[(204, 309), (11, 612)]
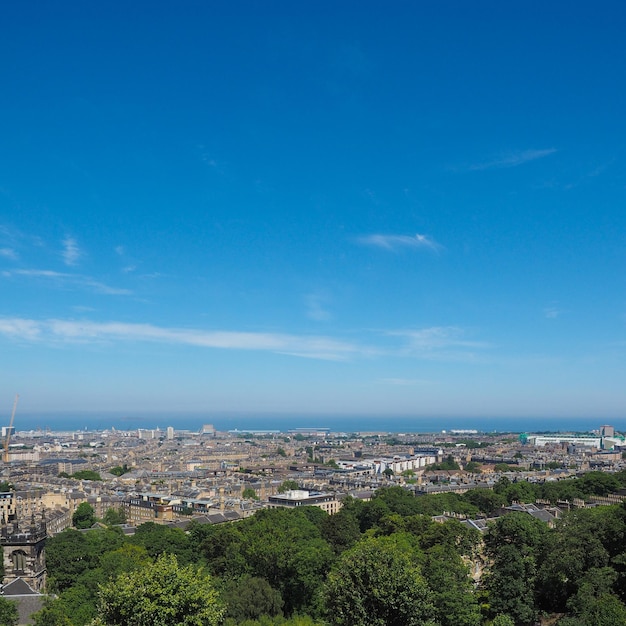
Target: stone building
[(23, 547)]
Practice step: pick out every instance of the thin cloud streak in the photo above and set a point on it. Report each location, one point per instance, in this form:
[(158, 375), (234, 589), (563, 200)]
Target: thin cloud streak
[(64, 278), (513, 159), (437, 337), (551, 313), (436, 343), (439, 343), (8, 253), (20, 328), (315, 308), (395, 242), (71, 252), (70, 331)]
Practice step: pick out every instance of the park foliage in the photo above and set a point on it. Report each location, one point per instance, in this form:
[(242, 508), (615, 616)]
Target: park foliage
[(377, 563)]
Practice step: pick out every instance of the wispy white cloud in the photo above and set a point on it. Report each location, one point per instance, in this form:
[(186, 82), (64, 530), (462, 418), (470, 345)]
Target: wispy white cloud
[(395, 242), (551, 312), (315, 308), (435, 343), (513, 159), (439, 342), (65, 279), (72, 331), (121, 252), (71, 252), (20, 328), (9, 253)]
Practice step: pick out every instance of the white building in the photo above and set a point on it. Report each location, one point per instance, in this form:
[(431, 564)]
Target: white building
[(300, 497)]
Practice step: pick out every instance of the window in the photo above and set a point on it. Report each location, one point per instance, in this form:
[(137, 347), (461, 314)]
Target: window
[(19, 560)]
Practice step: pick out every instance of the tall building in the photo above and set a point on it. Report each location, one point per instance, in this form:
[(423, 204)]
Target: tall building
[(170, 432), (607, 431)]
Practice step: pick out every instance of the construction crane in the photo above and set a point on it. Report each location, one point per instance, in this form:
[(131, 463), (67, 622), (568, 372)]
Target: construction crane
[(10, 430)]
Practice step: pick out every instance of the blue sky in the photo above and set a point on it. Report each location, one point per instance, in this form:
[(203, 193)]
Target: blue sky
[(415, 208)]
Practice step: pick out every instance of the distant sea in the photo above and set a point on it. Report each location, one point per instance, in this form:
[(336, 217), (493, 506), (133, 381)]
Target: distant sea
[(64, 421)]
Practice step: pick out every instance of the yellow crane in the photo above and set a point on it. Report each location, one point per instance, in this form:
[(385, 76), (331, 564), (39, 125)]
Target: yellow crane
[(8, 437)]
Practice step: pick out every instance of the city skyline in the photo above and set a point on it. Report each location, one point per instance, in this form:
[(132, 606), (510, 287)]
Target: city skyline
[(415, 210)]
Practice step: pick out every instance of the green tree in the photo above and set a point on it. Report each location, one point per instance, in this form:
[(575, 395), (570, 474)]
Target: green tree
[(287, 485), (250, 598), (8, 613), (127, 558), (120, 470), (452, 534), (561, 490), (370, 513), (158, 539), (52, 614), (514, 543), (341, 530), (285, 548), (376, 583), (501, 485), (162, 594), (86, 475), (485, 499), (522, 491), (605, 610), (574, 549), (84, 516), (249, 494), (114, 517), (438, 503), (511, 585), (599, 483), (79, 601), (472, 466), (398, 500), (68, 555), (221, 547), (502, 620), (448, 577)]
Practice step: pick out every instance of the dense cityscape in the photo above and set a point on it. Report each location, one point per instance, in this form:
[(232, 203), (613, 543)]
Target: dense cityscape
[(54, 482)]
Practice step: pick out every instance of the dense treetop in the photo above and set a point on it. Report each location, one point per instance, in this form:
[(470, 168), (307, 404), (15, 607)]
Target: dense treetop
[(379, 562)]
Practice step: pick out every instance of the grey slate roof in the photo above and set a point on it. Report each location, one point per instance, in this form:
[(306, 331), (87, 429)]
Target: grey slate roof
[(27, 599)]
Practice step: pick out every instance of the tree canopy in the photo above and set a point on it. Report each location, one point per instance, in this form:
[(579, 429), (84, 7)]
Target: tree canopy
[(376, 583), (169, 594), (84, 516), (383, 561)]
